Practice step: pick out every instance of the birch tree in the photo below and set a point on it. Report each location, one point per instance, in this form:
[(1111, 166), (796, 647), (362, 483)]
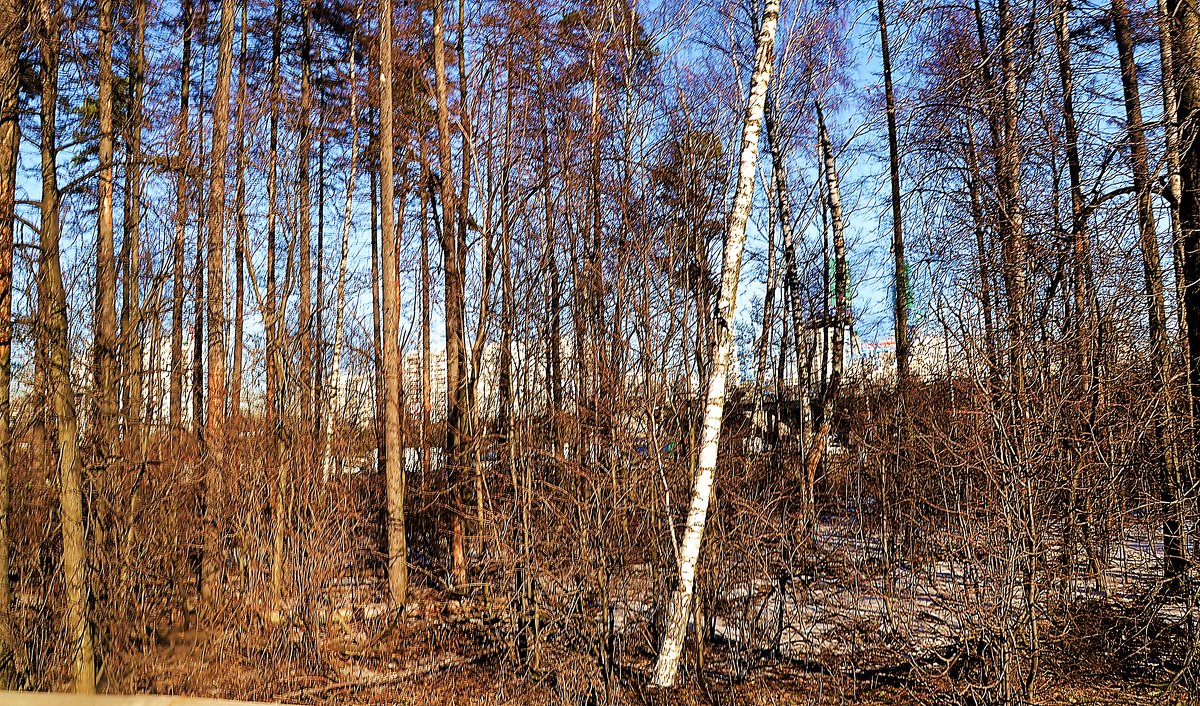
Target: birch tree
[(679, 605)]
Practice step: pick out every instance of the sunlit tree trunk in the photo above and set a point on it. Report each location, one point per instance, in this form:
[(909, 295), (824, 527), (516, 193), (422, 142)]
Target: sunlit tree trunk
[(105, 342), (181, 219), (1171, 154), (241, 235), (304, 234), (54, 337), (397, 543), (131, 305), (835, 346), (12, 34), (680, 602), (1174, 561), (214, 424), (453, 245), (274, 324), (335, 376)]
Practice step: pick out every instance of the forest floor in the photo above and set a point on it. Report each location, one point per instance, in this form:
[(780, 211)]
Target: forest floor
[(443, 651)]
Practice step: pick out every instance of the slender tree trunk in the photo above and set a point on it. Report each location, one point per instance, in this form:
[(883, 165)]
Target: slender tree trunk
[(198, 304), (12, 34), (835, 346), (214, 427), (397, 543), (791, 275), (105, 370), (181, 219), (1174, 561), (900, 269), (426, 334), (54, 321), (1172, 155), (679, 607), (453, 241), (274, 325), (131, 309), (335, 377), (376, 320), (1184, 24), (304, 234), (242, 234), (1084, 313)]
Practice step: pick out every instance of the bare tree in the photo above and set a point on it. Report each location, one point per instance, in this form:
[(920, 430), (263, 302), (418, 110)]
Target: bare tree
[(679, 606)]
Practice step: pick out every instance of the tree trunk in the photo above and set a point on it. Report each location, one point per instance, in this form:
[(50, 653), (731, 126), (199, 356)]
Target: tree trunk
[(835, 340), (304, 234), (453, 248), (274, 326), (214, 426), (1174, 561), (900, 269), (242, 231), (131, 309), (56, 340), (12, 32), (1171, 155), (181, 219), (397, 543), (105, 346), (335, 377), (679, 606)]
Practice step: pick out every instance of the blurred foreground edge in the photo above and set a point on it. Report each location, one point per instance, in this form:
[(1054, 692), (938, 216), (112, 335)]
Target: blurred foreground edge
[(25, 698)]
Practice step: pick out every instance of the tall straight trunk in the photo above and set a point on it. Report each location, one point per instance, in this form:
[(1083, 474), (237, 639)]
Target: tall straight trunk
[(981, 250), (1013, 241), (554, 305), (1084, 313), (214, 423), (274, 324), (679, 607), (131, 309), (1167, 62), (274, 403), (304, 233), (453, 249), (105, 370), (376, 315), (376, 320), (426, 333), (181, 219), (317, 339), (1184, 27), (791, 275), (198, 304), (900, 269), (762, 354), (335, 377), (397, 543), (1174, 561), (835, 341), (54, 338), (242, 234), (12, 32)]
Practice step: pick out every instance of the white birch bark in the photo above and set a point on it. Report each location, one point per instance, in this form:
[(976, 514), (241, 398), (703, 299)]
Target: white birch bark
[(678, 609)]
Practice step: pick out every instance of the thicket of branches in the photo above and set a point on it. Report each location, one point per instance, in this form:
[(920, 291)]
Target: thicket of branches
[(320, 317)]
